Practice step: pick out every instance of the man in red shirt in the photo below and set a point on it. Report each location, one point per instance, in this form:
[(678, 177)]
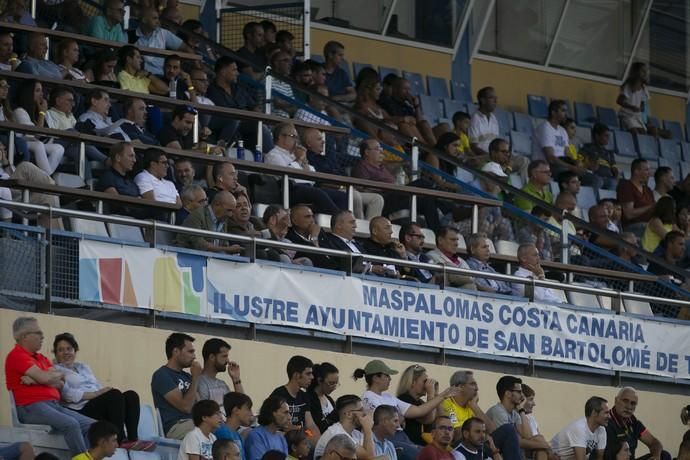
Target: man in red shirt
[(36, 385), (442, 435), (636, 198)]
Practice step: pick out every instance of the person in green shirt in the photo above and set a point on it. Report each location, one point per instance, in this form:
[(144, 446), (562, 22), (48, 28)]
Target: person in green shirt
[(108, 26), (539, 174), (103, 441)]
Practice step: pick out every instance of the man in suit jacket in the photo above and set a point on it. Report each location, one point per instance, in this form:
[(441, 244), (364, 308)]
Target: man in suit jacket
[(380, 243), (305, 231), (447, 239), (342, 238), (213, 217), (412, 238)]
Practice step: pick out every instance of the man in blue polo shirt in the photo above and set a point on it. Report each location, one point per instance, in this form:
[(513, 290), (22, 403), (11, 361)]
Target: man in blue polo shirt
[(151, 35), (339, 84)]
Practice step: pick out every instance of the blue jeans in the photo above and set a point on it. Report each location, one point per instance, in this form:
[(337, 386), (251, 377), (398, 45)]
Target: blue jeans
[(11, 452), (72, 425)]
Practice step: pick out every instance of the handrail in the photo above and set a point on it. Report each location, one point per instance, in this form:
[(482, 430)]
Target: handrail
[(88, 194), (261, 168), (169, 102), (153, 225), (96, 41)]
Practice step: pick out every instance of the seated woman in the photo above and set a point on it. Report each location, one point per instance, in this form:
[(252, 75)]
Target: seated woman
[(30, 109), (67, 55), (102, 70), (83, 393), (663, 221)]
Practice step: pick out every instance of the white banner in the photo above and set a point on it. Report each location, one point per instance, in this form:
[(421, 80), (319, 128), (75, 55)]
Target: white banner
[(270, 294)]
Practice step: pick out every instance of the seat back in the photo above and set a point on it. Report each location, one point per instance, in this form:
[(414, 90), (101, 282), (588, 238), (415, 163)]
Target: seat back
[(148, 426), (586, 198), (521, 143), (416, 82), (584, 114), (507, 248), (583, 299), (675, 129), (438, 87), (68, 180), (431, 107), (523, 122), (460, 90), (537, 106), (125, 232), (638, 307), (384, 71), (451, 107), (429, 236), (608, 116), (15, 419), (653, 121), (624, 144), (604, 193), (505, 122), (88, 227), (669, 149), (647, 146)]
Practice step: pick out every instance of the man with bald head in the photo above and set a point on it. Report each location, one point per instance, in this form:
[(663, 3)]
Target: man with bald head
[(225, 179), (213, 217), (342, 238), (380, 243), (624, 426), (530, 267)]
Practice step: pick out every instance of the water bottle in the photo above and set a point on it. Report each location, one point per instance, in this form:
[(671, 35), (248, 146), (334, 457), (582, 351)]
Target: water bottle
[(240, 150), (172, 89), (258, 155)]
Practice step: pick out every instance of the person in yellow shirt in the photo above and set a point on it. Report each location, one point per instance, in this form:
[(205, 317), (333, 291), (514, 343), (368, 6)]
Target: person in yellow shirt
[(461, 124), (103, 441), (572, 155), (464, 405)]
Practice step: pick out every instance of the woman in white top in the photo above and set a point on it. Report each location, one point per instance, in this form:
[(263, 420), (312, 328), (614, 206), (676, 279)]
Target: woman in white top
[(378, 377), (67, 55), (31, 110)]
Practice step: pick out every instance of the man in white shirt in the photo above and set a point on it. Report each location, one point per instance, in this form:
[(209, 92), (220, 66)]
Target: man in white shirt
[(586, 435), (289, 154), (151, 181), (353, 421), (484, 128), (530, 267)]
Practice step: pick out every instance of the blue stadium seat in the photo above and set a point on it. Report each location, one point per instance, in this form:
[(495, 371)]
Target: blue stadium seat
[(647, 147), (383, 71), (607, 116), (521, 143), (675, 129), (685, 151), (317, 58), (670, 150), (537, 106), (416, 81), (523, 123), (437, 87), (460, 90), (471, 108), (625, 145), (451, 106), (653, 121), (584, 114), (612, 143), (505, 122), (586, 198), (684, 169), (358, 66), (431, 107)]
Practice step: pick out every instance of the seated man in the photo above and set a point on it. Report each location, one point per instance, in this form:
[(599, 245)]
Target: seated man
[(539, 178), (253, 50), (241, 221), (624, 426), (530, 267), (353, 422), (405, 108), (116, 180), (35, 62), (465, 404), (289, 154), (193, 197), (342, 238), (96, 120), (305, 231), (412, 238), (300, 376), (442, 435), (133, 77), (35, 386), (108, 26), (636, 198), (340, 86), (274, 419), (277, 222), (446, 253), (586, 436), (152, 182), (212, 217), (215, 353), (598, 159), (178, 134), (172, 72), (599, 219), (134, 122), (174, 390), (474, 442), (478, 247), (152, 35), (380, 243)]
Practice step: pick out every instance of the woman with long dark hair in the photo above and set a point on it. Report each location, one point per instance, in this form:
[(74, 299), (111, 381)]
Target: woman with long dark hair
[(326, 380)]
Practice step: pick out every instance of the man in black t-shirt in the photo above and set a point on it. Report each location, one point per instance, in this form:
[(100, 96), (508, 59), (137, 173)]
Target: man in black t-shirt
[(624, 425), (179, 133), (299, 371)]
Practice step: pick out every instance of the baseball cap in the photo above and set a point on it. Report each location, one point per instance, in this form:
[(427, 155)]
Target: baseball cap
[(377, 366), (494, 168)]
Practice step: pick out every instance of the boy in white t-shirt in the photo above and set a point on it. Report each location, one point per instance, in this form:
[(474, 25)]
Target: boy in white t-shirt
[(586, 435), (198, 443)]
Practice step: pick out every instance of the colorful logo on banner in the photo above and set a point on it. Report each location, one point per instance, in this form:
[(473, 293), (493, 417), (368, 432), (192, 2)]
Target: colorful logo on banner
[(166, 281)]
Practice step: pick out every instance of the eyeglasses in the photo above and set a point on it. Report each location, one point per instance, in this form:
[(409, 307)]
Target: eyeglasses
[(38, 333), (202, 201), (444, 428), (342, 457)]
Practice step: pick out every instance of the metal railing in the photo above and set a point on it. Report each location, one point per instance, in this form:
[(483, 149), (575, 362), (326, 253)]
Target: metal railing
[(616, 296)]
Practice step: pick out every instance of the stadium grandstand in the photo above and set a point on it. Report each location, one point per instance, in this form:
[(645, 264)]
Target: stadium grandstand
[(362, 229)]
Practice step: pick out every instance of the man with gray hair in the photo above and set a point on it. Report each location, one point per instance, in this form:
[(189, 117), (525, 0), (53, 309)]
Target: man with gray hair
[(479, 248), (530, 267), (465, 404), (193, 197), (340, 447), (35, 386), (624, 426)]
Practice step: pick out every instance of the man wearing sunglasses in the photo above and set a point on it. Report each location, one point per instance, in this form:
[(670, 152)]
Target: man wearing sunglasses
[(442, 435)]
